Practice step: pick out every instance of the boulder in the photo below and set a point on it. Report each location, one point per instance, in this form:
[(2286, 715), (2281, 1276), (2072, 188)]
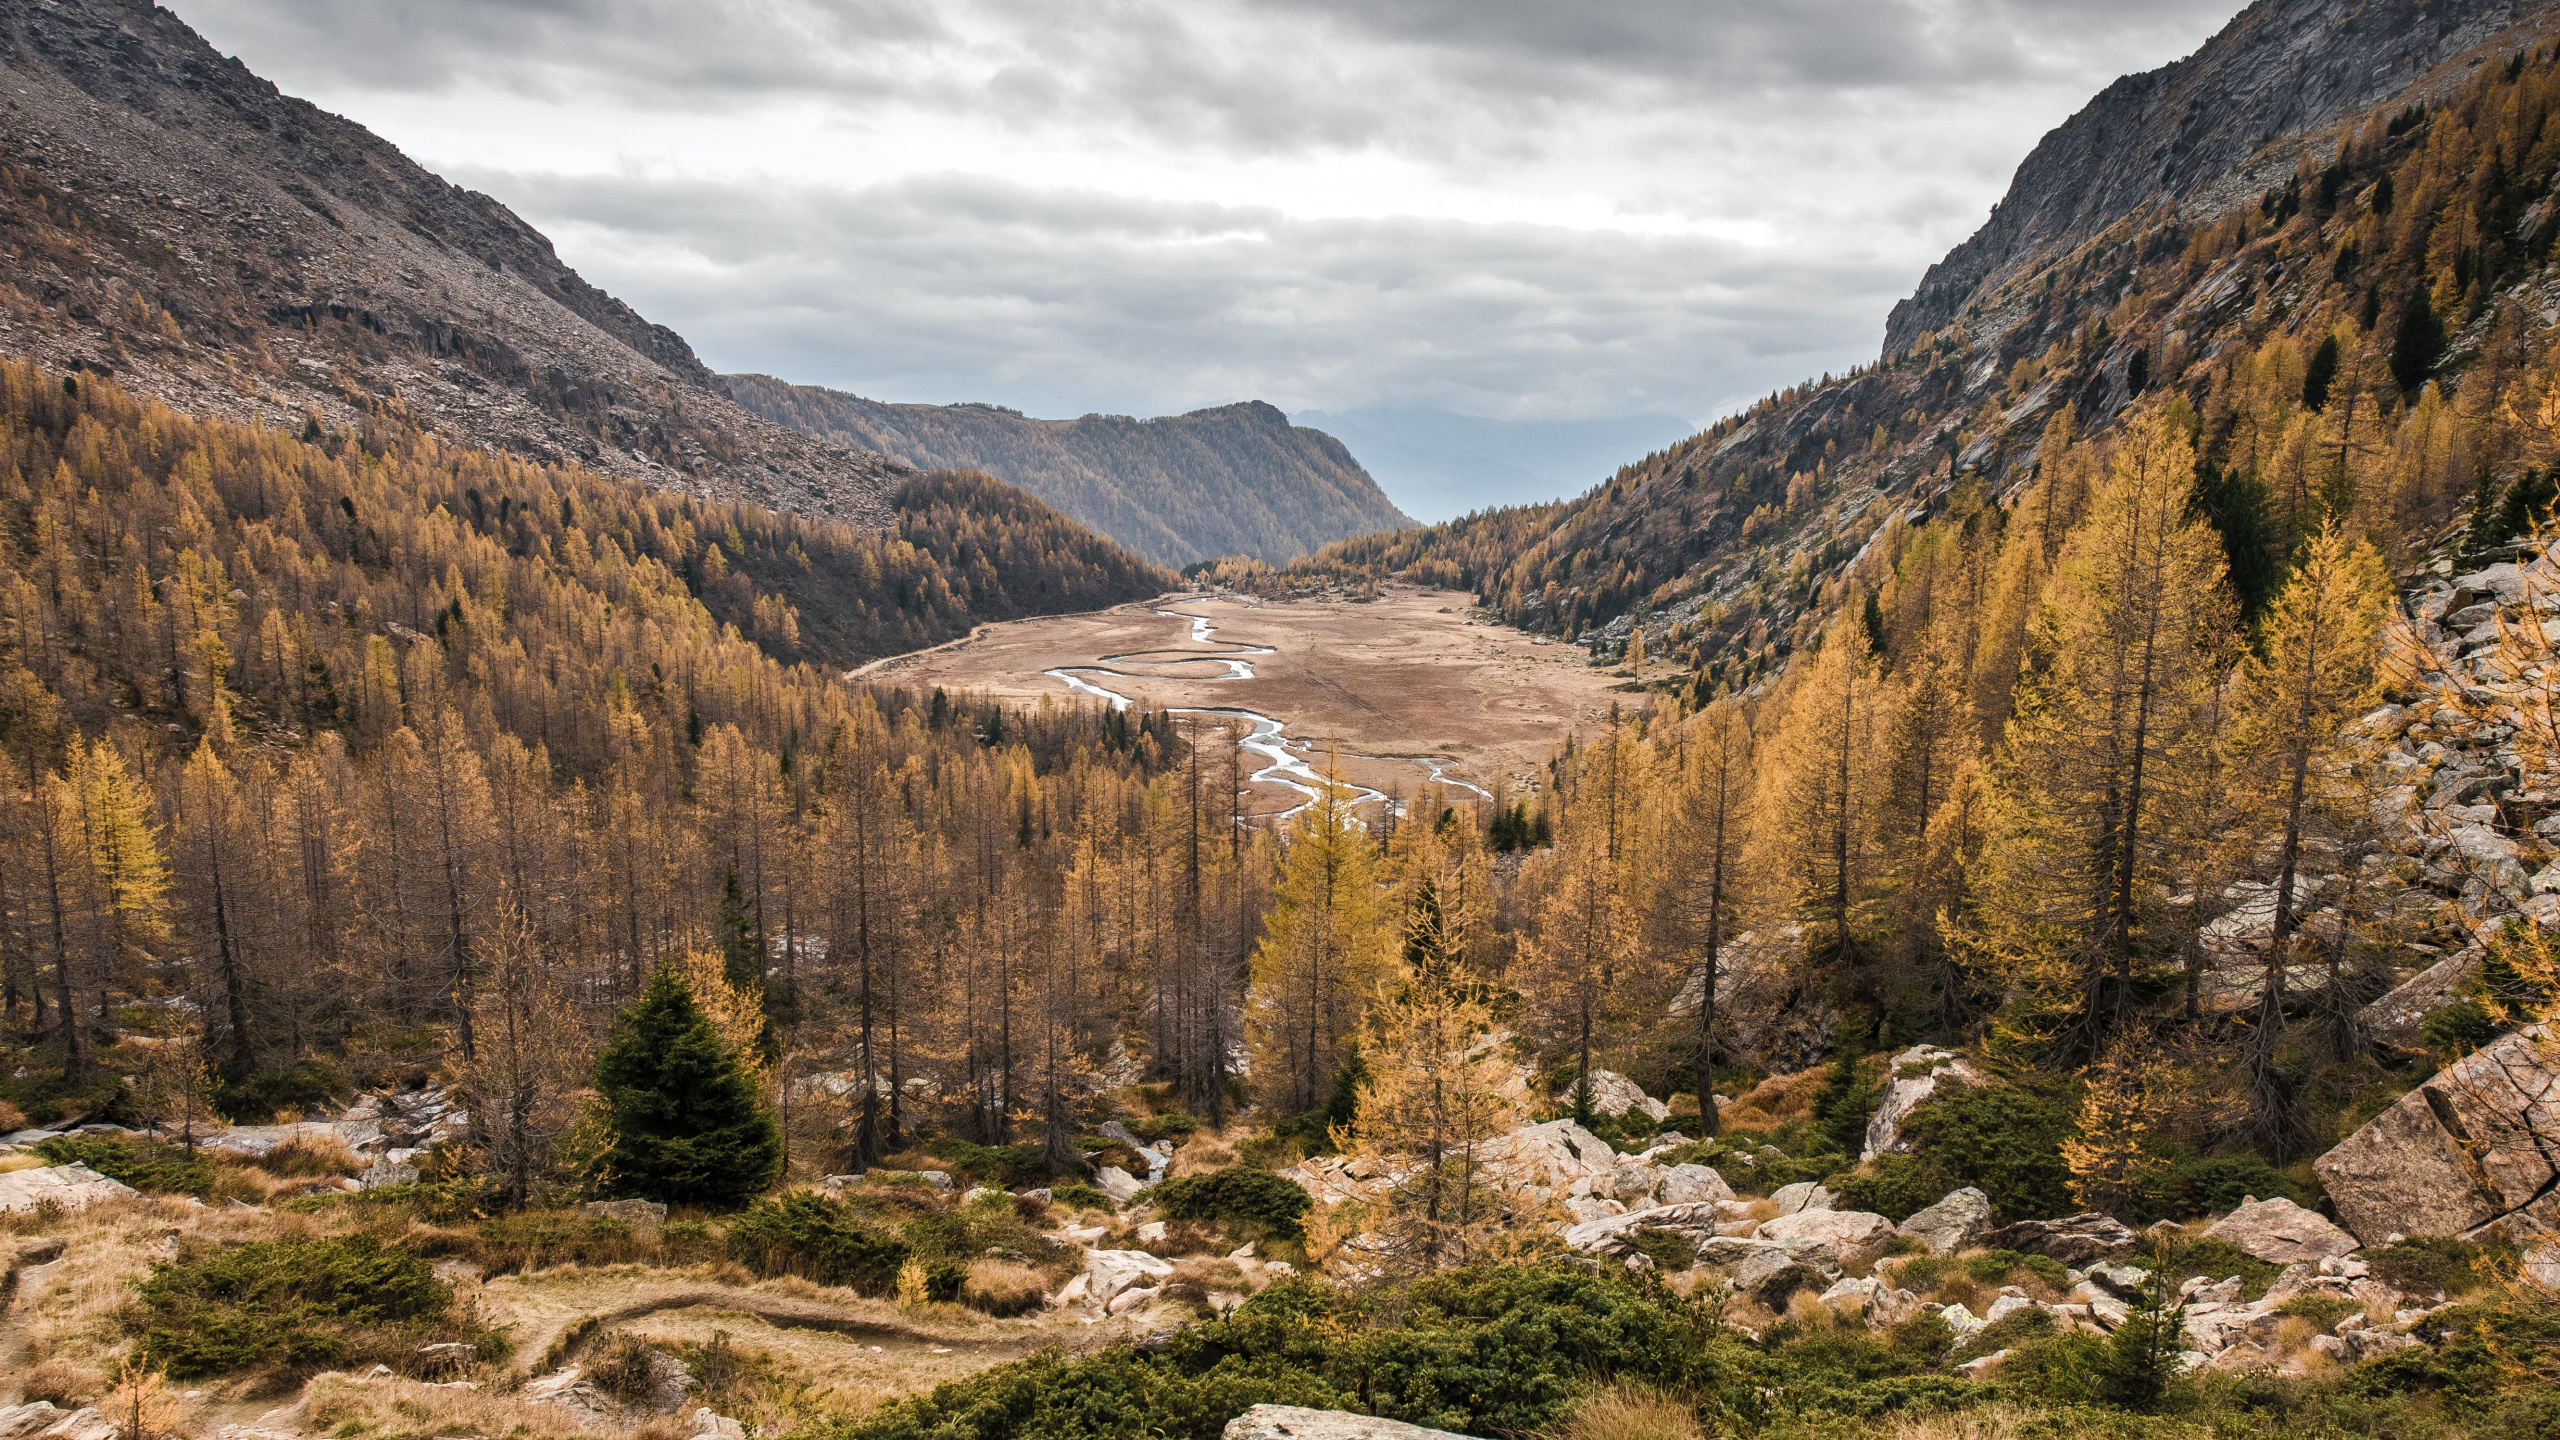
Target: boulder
[(1682, 1184), (2460, 1152), (1553, 1161), (2077, 1241), (1915, 1075), (1296, 1422), (1632, 1183), (28, 1419), (1952, 1223), (1117, 1183), (72, 1187), (2282, 1233), (1108, 1272), (2400, 1014), (1802, 1195), (1615, 1094), (638, 1214), (710, 1424), (1615, 1236), (1773, 1277), (1854, 1237)]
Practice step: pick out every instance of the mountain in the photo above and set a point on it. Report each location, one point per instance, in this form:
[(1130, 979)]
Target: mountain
[(175, 222), (1234, 480), (1438, 464), (2325, 216)]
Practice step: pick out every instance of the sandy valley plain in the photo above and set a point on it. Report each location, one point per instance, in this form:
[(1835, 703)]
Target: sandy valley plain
[(1414, 688)]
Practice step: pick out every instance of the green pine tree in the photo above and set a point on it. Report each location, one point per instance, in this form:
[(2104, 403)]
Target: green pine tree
[(687, 1124)]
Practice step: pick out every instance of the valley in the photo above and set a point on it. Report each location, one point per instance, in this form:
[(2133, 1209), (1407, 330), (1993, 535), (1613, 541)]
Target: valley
[(1418, 690)]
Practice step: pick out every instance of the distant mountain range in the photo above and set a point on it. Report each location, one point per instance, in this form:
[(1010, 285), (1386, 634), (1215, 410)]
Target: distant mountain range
[(1438, 464), (1235, 480)]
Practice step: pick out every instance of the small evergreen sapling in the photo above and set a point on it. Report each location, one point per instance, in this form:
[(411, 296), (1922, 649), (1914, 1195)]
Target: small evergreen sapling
[(686, 1121)]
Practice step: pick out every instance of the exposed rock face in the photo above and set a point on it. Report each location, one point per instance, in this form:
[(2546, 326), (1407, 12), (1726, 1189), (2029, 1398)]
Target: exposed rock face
[(2077, 1241), (1615, 1094), (1558, 1160), (305, 264), (1294, 1422), (1854, 1237), (1683, 1184), (1615, 1235), (1110, 1272), (1773, 1275), (2397, 1017), (2282, 1233), (73, 1187), (1915, 1073), (1952, 1223), (2173, 135), (2468, 1152)]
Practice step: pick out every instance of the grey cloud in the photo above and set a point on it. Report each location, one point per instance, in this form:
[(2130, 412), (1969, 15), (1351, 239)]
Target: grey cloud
[(948, 288)]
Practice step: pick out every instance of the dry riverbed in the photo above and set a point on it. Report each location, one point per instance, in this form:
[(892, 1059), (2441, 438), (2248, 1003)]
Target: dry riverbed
[(1406, 686)]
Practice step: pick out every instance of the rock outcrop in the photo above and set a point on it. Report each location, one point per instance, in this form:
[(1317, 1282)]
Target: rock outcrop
[(1951, 1224), (2469, 1153), (2282, 1233), (1915, 1076), (72, 1187), (1294, 1422), (2077, 1240)]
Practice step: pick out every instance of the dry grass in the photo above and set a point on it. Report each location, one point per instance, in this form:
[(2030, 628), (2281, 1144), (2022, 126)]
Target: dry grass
[(1629, 1412), (308, 1157), (1987, 1422), (62, 1382), (1201, 1152), (12, 1118), (1003, 1287), (1774, 1101), (397, 1409), (22, 1160)]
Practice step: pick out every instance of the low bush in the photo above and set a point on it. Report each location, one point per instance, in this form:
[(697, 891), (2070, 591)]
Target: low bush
[(147, 1166), (1164, 1126), (2323, 1311), (2212, 1260), (2428, 1263), (1994, 1267), (254, 1099), (308, 1156), (818, 1239), (1081, 1197), (295, 1304), (1009, 1167), (1241, 1197)]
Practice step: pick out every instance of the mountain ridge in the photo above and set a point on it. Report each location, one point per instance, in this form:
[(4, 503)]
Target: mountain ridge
[(180, 223), (1233, 479)]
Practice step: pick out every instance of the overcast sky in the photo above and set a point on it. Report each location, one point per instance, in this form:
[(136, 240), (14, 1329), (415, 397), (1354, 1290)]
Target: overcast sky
[(1513, 209)]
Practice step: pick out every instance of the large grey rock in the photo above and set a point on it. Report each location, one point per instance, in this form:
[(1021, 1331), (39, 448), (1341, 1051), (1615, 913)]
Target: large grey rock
[(1916, 1074), (1558, 1160), (1952, 1223), (1615, 1094), (2282, 1233), (1682, 1184), (2077, 1241), (1117, 1183), (1773, 1276), (1802, 1195), (638, 1214), (2464, 1150), (1694, 1223), (72, 1187), (1296, 1422), (1108, 1272), (2398, 1017), (1854, 1237)]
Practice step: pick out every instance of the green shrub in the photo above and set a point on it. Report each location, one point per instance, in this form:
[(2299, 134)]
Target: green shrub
[(819, 1239), (2211, 1185), (299, 1304), (442, 1202), (2004, 1140), (1011, 1167), (2214, 1260), (2009, 1332), (147, 1166), (1159, 1127), (255, 1098), (2324, 1311), (1993, 1267), (2426, 1263), (1894, 1186), (1238, 1196), (1081, 1197)]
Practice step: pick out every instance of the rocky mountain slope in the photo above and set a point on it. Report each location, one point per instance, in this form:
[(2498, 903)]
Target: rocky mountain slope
[(174, 221), (2162, 240), (1234, 480)]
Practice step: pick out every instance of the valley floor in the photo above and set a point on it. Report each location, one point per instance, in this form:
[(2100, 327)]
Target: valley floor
[(1410, 685)]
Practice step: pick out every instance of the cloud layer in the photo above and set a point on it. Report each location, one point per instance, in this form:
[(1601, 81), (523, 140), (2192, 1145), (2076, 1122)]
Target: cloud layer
[(1537, 211)]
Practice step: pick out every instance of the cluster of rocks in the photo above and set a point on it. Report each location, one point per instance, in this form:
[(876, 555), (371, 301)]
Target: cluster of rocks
[(387, 1129), (42, 1420)]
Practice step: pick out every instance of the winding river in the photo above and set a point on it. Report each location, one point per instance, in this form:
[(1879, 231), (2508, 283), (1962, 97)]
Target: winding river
[(1267, 737)]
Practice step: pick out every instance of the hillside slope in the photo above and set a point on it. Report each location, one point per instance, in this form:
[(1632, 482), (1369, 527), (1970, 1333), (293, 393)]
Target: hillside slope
[(2397, 252), (1234, 480), (173, 220)]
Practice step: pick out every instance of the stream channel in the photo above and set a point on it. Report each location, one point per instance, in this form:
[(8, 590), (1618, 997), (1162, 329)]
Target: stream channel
[(1267, 737)]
